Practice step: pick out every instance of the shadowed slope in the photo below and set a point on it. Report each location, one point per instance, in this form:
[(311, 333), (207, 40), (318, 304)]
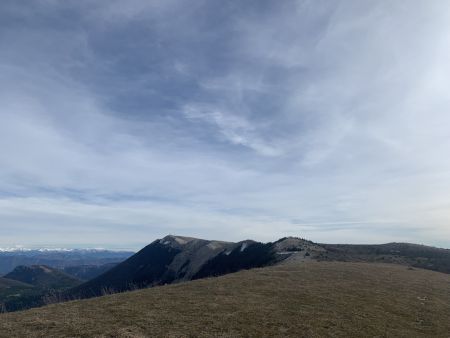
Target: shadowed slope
[(43, 277), (175, 259), (14, 294), (11, 288), (6, 283)]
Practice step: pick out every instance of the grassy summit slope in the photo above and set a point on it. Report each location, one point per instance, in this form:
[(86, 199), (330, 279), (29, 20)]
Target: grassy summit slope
[(308, 299)]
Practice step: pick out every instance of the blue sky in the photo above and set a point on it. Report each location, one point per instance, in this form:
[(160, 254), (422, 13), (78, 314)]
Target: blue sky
[(123, 121)]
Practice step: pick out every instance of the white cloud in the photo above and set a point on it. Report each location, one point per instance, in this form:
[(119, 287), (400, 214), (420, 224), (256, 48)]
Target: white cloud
[(332, 114), (233, 127)]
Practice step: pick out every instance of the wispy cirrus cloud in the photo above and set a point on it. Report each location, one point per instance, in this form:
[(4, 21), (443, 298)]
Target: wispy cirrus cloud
[(224, 120), (232, 128)]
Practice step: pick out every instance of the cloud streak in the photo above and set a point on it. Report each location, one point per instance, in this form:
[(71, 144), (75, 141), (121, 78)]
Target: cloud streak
[(224, 120), (233, 128)]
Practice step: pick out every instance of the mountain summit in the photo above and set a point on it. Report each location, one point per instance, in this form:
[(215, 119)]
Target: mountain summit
[(174, 259), (178, 258)]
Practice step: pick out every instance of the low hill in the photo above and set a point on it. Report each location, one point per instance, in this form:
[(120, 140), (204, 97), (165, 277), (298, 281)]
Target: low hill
[(43, 277), (415, 255), (308, 299)]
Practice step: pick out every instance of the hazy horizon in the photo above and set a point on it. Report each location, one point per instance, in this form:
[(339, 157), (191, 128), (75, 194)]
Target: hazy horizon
[(122, 122), (135, 247)]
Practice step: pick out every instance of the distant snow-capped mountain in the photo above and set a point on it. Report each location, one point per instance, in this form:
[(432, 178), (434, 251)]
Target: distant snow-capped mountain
[(25, 249), (60, 258)]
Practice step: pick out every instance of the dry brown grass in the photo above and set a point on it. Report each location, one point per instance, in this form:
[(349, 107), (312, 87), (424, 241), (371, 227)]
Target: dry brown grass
[(312, 299)]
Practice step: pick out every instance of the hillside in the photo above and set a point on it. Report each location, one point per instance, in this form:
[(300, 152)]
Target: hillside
[(7, 283), (32, 286), (9, 287), (43, 277), (16, 295), (308, 299)]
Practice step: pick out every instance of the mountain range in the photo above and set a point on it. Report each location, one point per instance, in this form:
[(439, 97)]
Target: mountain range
[(58, 258), (38, 276), (175, 259)]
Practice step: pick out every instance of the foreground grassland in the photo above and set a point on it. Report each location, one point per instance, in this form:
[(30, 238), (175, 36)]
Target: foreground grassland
[(310, 299)]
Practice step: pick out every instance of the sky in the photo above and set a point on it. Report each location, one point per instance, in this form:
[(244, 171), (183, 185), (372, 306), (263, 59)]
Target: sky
[(124, 121)]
